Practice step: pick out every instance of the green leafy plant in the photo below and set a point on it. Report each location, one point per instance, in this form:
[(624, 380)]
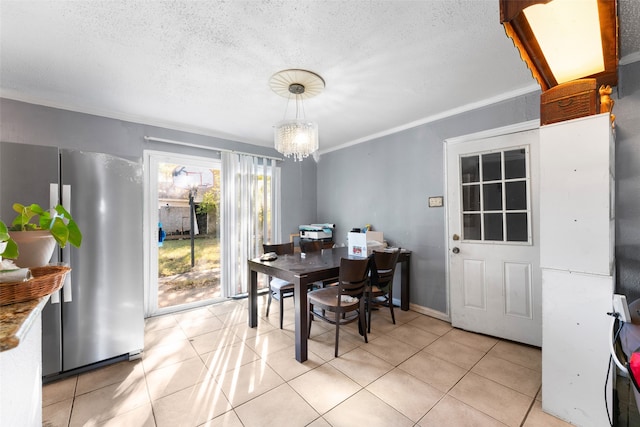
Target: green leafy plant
[(11, 250), (209, 201), (58, 221)]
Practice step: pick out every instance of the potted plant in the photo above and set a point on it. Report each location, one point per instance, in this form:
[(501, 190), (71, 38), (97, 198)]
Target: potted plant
[(36, 232), (8, 246)]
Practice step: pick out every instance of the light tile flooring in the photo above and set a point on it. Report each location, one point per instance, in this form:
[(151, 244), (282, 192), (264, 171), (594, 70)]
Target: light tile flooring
[(206, 367)]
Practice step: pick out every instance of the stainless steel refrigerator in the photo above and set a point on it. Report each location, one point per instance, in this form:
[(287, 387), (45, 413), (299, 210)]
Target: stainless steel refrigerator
[(98, 315)]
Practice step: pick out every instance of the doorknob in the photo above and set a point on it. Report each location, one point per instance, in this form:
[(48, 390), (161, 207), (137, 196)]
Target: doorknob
[(455, 250)]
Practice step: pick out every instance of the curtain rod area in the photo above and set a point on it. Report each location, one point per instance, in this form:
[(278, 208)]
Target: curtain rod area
[(205, 147)]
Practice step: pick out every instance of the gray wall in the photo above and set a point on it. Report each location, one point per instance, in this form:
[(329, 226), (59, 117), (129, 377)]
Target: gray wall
[(386, 182), (627, 111), (298, 195), (33, 124)]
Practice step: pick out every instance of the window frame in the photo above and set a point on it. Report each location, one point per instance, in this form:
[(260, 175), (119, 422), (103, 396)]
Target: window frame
[(503, 211)]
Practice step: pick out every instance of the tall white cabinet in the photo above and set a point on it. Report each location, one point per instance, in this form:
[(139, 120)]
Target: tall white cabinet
[(577, 259)]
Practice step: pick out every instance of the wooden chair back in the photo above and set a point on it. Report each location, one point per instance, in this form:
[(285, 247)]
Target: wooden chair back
[(307, 246), (383, 267), (354, 277), (279, 249)]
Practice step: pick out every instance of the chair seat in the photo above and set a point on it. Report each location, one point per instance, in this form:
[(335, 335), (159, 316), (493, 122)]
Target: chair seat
[(328, 298), (280, 284)]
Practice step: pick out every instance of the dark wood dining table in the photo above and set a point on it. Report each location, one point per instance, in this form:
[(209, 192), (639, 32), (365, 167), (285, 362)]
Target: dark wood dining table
[(301, 270)]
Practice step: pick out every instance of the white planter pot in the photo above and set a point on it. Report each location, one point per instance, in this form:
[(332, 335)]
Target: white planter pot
[(3, 246), (35, 247)]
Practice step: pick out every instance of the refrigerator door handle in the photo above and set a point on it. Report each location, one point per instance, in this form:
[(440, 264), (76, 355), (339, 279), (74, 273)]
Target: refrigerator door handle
[(66, 288), (53, 200), (55, 297), (53, 194)]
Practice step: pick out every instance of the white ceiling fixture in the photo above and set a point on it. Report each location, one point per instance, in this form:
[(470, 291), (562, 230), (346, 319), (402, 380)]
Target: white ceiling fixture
[(296, 137)]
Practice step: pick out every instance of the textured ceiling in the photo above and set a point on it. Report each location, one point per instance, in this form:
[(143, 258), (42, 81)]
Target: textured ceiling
[(205, 66)]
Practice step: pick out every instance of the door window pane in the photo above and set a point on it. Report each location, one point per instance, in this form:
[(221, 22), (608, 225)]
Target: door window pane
[(470, 167), (515, 165), (492, 197), (516, 195), (493, 226), (471, 226), (495, 199), (471, 198), (517, 227), (491, 167)]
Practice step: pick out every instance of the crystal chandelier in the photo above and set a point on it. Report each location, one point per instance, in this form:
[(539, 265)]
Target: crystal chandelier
[(296, 137)]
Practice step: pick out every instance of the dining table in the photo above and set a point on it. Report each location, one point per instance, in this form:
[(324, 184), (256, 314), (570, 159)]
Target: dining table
[(302, 269)]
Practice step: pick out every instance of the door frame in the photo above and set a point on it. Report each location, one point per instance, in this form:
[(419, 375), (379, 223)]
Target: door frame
[(149, 224), (501, 131)]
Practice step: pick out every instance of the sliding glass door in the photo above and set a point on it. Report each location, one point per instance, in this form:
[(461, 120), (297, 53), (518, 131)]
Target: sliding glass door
[(204, 218), (184, 215)]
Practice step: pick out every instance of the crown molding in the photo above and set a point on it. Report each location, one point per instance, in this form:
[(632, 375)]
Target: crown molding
[(443, 115)]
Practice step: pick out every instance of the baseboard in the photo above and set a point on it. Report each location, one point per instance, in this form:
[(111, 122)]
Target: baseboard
[(430, 312)]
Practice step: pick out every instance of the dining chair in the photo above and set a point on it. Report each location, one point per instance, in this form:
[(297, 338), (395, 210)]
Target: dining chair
[(278, 288), (337, 302), (307, 246), (379, 292)]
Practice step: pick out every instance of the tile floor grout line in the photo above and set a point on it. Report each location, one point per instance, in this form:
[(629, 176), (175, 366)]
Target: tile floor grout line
[(153, 409), (73, 399), (237, 328), (533, 402)]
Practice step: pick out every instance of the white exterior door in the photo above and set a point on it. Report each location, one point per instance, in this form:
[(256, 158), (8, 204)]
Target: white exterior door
[(493, 234)]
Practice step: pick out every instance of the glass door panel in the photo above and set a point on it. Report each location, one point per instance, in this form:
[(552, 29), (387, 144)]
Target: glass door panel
[(517, 229), (188, 203), (491, 167), (492, 197), (493, 227), (472, 229)]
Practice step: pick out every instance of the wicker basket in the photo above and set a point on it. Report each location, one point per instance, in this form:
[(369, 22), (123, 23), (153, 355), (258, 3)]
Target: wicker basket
[(45, 281)]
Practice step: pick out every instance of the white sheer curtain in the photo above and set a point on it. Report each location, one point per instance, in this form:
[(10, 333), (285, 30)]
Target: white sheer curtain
[(250, 214)]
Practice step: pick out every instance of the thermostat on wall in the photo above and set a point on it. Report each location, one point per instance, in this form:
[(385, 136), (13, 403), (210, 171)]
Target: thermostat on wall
[(435, 202)]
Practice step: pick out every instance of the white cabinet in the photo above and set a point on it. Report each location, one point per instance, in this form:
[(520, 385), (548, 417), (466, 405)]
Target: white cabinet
[(21, 373), (576, 256), (576, 179), (575, 355)]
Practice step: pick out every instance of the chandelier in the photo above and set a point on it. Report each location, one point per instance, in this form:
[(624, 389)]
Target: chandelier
[(296, 137)]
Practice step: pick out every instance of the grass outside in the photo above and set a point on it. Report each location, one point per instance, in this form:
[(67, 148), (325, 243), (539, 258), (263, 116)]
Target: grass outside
[(178, 283), (174, 256)]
